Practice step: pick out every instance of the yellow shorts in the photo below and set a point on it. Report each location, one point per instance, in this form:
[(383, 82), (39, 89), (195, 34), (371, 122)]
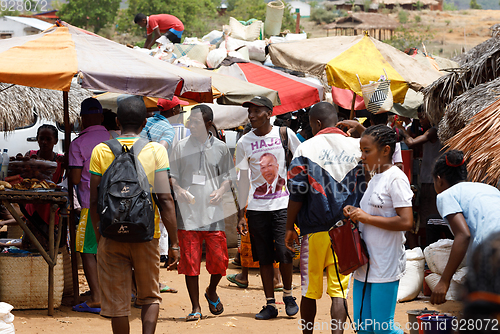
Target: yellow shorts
[(315, 255)]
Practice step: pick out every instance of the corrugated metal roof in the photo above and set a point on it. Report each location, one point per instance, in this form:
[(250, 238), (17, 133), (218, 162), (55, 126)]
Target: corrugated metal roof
[(32, 22)]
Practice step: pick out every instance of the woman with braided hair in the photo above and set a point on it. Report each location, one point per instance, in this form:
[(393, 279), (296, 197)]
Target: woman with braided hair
[(384, 215), (471, 209)]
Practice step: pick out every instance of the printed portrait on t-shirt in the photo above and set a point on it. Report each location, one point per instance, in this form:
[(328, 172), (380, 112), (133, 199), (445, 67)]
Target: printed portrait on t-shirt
[(275, 185)]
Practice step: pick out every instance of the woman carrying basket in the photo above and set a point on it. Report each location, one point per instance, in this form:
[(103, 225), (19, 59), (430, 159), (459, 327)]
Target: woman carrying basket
[(385, 213)]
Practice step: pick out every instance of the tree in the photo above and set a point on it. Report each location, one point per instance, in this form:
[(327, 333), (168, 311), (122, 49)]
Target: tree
[(475, 5), (84, 13)]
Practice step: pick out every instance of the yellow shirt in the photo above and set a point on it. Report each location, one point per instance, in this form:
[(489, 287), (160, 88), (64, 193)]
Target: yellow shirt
[(153, 158)]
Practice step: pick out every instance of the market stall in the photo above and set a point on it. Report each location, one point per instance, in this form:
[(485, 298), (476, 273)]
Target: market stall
[(51, 60)]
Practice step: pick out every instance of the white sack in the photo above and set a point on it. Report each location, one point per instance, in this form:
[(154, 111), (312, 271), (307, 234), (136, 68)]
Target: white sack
[(411, 283), (215, 57), (456, 284), (256, 49), (437, 254), (248, 33), (6, 319)]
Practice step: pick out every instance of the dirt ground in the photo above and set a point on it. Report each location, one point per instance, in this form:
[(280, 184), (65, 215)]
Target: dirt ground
[(240, 307), (453, 31)]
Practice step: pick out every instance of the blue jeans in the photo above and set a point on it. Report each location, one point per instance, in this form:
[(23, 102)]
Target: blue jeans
[(379, 305)]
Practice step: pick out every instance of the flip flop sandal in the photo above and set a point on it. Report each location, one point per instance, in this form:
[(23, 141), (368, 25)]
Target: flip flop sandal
[(193, 316), (214, 304), (83, 307), (232, 279), (166, 288)]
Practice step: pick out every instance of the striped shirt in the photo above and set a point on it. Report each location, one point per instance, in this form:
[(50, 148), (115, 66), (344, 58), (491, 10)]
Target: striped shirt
[(158, 128)]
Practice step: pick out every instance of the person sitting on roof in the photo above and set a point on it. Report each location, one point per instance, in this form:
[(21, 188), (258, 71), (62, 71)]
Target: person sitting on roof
[(160, 24)]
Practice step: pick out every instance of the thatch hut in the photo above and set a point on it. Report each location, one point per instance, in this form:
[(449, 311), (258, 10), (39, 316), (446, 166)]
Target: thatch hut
[(379, 26), (479, 65), (17, 103), (481, 152), (460, 112)]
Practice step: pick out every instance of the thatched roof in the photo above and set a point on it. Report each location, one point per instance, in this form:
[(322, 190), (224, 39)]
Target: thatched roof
[(460, 112), (365, 21), (17, 102), (406, 2), (478, 140), (480, 65)]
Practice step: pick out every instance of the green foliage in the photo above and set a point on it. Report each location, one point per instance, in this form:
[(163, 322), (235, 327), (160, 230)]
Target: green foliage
[(418, 5), (356, 8), (84, 13), (247, 9), (418, 18), (475, 5), (313, 4), (193, 13), (403, 16), (406, 37), (447, 22), (366, 5), (449, 6), (320, 16)]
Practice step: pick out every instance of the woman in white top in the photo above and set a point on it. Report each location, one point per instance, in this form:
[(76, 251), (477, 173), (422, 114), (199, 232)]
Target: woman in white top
[(385, 213)]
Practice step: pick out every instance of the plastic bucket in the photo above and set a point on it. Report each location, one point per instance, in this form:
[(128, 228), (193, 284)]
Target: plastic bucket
[(274, 16), (436, 324), (413, 321)]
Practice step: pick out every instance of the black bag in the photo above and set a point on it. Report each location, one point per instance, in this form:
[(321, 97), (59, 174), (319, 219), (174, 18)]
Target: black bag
[(284, 143), (125, 202)]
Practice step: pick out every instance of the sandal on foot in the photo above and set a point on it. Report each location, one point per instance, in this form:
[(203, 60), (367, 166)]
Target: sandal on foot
[(232, 278), (211, 304), (193, 316), (166, 288), (83, 307)]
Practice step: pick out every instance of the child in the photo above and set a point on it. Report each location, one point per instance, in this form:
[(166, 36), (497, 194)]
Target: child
[(470, 208), (385, 214), (39, 214), (47, 137)]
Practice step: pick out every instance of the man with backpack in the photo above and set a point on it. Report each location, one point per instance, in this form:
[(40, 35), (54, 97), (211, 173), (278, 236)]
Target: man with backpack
[(125, 217), (266, 211), (202, 170)]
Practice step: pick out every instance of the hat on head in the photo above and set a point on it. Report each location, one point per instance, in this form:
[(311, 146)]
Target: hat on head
[(260, 101), (90, 106), (164, 104)]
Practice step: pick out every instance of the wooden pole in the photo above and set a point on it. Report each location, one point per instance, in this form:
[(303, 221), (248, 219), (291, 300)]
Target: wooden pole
[(71, 223), (352, 105)]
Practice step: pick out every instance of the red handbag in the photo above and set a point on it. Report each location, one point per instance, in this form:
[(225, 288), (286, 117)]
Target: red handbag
[(348, 246)]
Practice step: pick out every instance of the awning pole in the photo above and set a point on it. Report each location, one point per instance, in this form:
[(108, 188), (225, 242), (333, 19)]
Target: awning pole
[(352, 105), (71, 224)]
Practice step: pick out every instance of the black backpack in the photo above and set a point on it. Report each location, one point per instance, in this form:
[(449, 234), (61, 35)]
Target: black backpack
[(125, 203)]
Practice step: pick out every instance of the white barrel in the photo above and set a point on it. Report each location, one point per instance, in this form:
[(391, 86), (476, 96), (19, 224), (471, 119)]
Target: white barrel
[(274, 16)]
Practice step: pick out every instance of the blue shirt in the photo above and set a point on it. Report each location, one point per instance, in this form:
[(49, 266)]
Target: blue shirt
[(480, 205), (158, 128)]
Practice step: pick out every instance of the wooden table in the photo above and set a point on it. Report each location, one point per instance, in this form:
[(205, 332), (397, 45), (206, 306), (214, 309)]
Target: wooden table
[(56, 199)]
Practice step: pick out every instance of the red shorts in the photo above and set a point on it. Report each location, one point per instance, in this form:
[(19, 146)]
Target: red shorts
[(190, 243)]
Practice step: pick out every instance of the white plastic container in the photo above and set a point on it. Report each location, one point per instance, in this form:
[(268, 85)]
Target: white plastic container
[(274, 17)]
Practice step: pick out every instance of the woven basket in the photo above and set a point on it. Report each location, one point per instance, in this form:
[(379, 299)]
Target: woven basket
[(24, 281)]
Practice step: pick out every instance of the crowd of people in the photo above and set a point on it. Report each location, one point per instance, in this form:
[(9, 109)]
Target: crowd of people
[(288, 193)]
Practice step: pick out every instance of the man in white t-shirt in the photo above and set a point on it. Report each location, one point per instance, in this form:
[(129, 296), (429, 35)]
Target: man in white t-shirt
[(261, 152)]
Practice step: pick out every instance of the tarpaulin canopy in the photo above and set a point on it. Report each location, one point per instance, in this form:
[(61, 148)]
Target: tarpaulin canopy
[(235, 92), (51, 59), (342, 57), (294, 93)]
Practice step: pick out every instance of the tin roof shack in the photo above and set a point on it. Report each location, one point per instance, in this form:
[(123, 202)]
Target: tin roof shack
[(16, 26), (379, 26)]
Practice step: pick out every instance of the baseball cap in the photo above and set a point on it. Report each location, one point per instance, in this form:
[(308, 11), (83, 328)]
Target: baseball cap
[(90, 106), (164, 104), (260, 101)]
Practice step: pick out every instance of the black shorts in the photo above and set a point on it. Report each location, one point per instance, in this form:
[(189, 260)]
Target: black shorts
[(172, 37), (267, 235)]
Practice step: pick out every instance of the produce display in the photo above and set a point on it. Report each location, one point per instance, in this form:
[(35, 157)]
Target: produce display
[(31, 168)]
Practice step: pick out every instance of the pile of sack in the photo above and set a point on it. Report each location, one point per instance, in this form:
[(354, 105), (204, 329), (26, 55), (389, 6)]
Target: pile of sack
[(436, 256), (243, 40)]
